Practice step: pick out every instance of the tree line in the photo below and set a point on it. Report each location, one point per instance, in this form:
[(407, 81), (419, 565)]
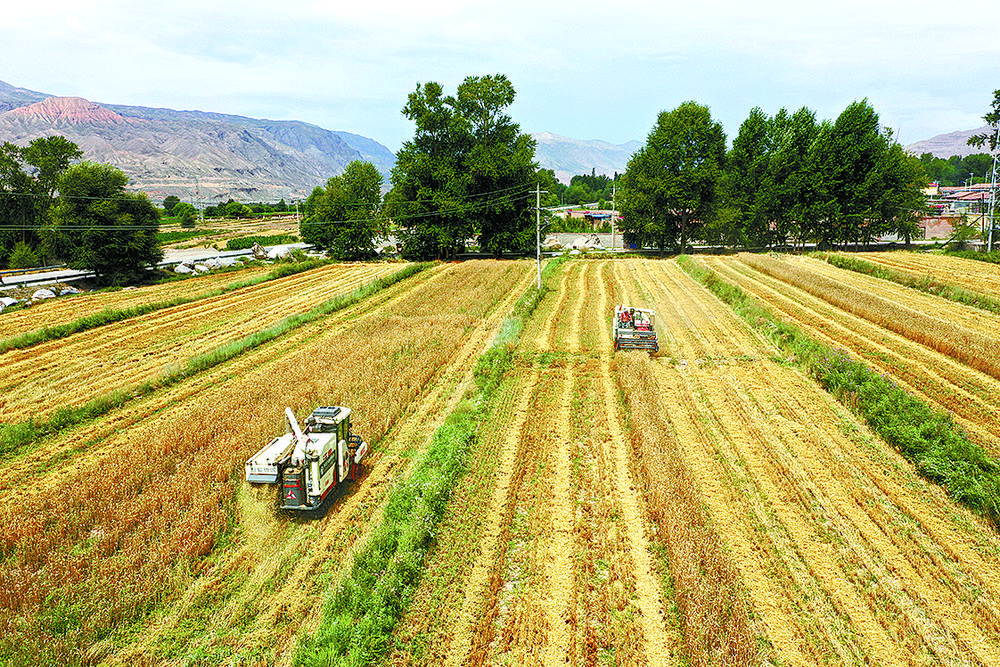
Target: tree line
[(788, 178), (468, 175)]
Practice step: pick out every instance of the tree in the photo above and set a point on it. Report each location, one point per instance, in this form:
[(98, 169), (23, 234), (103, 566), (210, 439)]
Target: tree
[(746, 181), (97, 226), (671, 182), (792, 202), (992, 118), (345, 218), (18, 205), (187, 213), (847, 153), (51, 157), (467, 170), (234, 209), (170, 202)]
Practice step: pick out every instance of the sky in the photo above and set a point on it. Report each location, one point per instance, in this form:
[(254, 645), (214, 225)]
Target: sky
[(582, 69)]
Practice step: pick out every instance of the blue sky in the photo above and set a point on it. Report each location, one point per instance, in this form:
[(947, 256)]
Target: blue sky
[(584, 69)]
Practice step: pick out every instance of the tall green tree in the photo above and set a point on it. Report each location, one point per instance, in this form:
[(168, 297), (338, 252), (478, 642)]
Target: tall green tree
[(467, 170), (792, 202), (345, 217), (671, 183), (746, 182), (97, 226), (18, 210), (992, 118), (51, 157), (847, 154)]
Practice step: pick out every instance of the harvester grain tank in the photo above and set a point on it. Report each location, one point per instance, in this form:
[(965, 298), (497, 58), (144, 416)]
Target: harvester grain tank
[(634, 329), (309, 464)]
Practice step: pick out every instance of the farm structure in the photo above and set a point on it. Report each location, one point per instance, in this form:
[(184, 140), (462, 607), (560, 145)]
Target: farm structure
[(709, 505)]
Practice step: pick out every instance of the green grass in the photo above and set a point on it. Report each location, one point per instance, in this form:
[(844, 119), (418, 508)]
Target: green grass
[(925, 284), (362, 612), (184, 235), (18, 437), (929, 439), (246, 242)]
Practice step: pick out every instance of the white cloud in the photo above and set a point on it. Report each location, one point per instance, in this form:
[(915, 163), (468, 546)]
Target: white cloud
[(584, 69)]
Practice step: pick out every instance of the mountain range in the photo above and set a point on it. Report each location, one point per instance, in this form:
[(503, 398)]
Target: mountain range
[(195, 155), (206, 157)]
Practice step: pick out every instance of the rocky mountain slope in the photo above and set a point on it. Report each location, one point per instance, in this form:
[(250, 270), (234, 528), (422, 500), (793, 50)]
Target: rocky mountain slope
[(952, 143), (568, 157), (198, 156)]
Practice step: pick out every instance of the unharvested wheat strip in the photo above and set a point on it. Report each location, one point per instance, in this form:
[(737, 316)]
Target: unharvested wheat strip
[(973, 275), (803, 450), (969, 395), (965, 317), (970, 347)]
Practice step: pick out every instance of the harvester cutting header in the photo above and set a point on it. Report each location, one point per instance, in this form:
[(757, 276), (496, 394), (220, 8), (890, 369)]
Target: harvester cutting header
[(309, 464)]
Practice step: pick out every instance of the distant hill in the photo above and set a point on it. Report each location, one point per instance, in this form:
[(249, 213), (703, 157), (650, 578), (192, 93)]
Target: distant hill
[(952, 143), (195, 155), (569, 157)]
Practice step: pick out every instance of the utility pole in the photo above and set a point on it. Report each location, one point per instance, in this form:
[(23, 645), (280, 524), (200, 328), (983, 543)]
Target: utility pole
[(538, 232), (614, 191), (993, 190)]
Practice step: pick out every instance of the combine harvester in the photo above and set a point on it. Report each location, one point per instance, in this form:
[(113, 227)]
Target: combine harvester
[(310, 464), (633, 329)]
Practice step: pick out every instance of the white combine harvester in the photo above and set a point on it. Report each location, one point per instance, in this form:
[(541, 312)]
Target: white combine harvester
[(310, 464)]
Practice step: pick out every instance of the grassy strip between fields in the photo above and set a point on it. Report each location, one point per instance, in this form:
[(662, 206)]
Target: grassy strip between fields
[(990, 257), (929, 439), (15, 438), (112, 315), (361, 613), (926, 284)]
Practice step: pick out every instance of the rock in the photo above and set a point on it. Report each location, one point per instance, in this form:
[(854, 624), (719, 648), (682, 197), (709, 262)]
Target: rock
[(183, 268), (6, 301), (201, 268), (574, 252), (43, 294), (65, 291), (579, 243), (279, 252)]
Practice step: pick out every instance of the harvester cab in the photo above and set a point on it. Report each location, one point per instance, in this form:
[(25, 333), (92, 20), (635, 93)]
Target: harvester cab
[(634, 329), (308, 464)]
